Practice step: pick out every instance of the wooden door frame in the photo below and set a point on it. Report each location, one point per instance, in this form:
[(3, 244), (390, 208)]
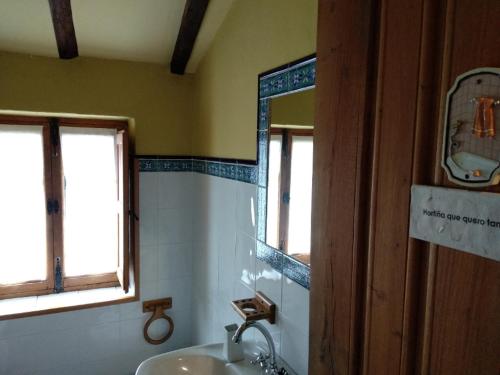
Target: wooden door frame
[(357, 307), (346, 92)]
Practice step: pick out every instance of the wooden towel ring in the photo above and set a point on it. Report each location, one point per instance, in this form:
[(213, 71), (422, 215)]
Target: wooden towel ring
[(158, 307)]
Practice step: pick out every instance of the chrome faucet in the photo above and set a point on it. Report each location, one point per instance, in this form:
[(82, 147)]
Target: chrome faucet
[(266, 361)]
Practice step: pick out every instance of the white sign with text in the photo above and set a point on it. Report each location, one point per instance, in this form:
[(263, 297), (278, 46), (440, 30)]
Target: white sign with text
[(463, 220)]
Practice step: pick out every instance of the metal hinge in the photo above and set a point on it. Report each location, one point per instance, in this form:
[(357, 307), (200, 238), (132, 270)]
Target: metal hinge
[(52, 206), (133, 214), (58, 280), (286, 197)]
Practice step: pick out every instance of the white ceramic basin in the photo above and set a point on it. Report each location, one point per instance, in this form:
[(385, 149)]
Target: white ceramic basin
[(188, 364), (197, 360)]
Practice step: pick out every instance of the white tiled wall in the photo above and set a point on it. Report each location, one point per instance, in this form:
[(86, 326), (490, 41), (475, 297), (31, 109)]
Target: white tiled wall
[(109, 340), (197, 237), (225, 268)]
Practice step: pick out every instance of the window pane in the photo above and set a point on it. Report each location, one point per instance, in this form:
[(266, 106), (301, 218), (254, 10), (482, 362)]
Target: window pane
[(23, 233), (272, 238), (299, 224), (90, 201)]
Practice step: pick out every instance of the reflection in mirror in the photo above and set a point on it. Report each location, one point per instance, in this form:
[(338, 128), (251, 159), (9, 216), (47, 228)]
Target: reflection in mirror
[(289, 193)]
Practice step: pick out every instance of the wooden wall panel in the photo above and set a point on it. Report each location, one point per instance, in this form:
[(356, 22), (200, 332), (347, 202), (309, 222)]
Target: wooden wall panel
[(466, 321), (427, 309), (398, 78), (341, 173), (426, 140), (465, 329)]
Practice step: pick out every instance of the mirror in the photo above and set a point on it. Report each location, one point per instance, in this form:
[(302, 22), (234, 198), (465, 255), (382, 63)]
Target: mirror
[(284, 168), (290, 162)]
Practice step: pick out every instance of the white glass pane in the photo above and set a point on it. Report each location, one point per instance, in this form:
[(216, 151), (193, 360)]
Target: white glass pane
[(90, 201), (299, 221), (23, 233), (273, 184)]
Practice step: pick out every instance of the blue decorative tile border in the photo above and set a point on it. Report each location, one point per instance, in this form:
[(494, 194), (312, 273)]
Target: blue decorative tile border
[(269, 255), (291, 77), (233, 170), (296, 271), (285, 264), (165, 165)]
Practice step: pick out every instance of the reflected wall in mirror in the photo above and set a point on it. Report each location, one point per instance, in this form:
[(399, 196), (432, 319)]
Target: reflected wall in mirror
[(284, 155), (290, 162)]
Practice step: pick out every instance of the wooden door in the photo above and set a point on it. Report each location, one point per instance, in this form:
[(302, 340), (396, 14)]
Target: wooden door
[(382, 303)]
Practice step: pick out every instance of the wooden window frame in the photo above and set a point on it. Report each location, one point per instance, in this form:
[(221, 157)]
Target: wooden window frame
[(54, 190), (287, 135)]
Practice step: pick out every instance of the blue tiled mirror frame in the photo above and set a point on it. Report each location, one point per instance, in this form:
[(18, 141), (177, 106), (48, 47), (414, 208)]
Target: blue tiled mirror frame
[(296, 76)]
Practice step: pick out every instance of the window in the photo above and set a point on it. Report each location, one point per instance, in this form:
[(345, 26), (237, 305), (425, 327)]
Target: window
[(290, 191), (64, 199)]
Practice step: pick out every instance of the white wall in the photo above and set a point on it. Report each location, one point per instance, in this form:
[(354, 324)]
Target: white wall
[(225, 268), (109, 340), (197, 245)]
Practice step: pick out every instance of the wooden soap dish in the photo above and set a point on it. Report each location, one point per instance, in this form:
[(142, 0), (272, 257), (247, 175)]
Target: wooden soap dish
[(258, 308)]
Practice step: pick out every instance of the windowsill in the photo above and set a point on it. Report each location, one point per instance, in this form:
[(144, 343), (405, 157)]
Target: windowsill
[(67, 301)]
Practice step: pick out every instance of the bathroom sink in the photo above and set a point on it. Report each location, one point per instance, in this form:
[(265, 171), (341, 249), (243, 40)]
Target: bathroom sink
[(196, 360), (188, 364)]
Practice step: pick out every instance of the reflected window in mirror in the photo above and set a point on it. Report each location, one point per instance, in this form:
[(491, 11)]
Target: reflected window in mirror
[(290, 164), (290, 191)]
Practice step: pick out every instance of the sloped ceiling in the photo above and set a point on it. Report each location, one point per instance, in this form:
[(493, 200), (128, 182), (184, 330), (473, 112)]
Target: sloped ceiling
[(132, 30)]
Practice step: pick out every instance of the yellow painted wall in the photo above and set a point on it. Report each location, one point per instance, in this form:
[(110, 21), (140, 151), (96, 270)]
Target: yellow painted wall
[(213, 113), (257, 35), (159, 102), (293, 109)]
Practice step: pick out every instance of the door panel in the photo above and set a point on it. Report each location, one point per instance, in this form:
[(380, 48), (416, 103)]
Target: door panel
[(424, 309), (465, 328)]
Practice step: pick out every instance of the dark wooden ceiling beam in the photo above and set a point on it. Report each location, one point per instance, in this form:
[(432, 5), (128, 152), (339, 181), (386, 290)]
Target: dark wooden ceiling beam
[(62, 19), (192, 18)]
